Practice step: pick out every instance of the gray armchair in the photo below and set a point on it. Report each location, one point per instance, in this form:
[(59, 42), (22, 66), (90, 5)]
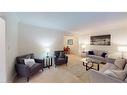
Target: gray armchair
[(26, 71), (60, 60)]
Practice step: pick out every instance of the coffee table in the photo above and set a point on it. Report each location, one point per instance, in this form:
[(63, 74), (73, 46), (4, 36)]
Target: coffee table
[(88, 61)]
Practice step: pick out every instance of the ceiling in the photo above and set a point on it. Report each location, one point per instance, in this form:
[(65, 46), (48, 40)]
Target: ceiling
[(67, 21)]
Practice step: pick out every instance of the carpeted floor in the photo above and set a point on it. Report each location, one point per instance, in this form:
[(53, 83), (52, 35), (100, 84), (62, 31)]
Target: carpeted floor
[(73, 73)]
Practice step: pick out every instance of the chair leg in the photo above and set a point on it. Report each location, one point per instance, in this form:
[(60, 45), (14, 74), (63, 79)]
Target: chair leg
[(27, 79), (66, 64)]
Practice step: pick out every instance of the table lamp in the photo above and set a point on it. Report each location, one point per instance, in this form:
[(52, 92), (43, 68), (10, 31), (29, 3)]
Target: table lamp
[(83, 47), (47, 51), (122, 49)]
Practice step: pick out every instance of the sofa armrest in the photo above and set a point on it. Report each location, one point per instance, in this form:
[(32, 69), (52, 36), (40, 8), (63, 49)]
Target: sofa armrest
[(39, 60), (110, 60), (99, 77), (22, 70)]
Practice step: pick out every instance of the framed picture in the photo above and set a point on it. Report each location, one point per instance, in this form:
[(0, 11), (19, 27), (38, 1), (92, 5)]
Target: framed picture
[(70, 41), (100, 40)]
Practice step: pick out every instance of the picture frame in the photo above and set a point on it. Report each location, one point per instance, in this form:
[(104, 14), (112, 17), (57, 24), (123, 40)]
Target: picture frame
[(70, 42), (104, 40)]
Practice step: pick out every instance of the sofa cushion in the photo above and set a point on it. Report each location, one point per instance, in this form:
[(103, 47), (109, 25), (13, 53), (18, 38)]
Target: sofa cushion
[(61, 58), (119, 74), (21, 61), (125, 68), (108, 66), (29, 62), (34, 66), (120, 63), (91, 52), (62, 55), (97, 57), (99, 52), (95, 52)]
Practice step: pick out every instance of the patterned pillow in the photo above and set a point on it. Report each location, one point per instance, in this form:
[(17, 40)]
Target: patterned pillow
[(29, 62)]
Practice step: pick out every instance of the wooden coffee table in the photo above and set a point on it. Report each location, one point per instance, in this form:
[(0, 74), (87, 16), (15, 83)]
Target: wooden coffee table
[(88, 61)]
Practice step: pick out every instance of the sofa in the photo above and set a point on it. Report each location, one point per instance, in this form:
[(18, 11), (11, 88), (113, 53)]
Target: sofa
[(103, 77), (60, 58), (25, 71), (102, 56)]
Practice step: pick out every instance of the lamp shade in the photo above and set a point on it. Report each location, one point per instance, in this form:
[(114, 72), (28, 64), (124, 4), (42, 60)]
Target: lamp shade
[(47, 50), (122, 48), (83, 46)]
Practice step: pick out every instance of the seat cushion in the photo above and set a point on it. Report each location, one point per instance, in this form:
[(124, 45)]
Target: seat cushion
[(97, 57), (120, 63), (109, 66), (35, 68), (61, 60), (119, 74)]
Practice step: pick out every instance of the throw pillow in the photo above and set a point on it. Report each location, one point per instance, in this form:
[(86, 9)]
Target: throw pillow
[(90, 52), (103, 54), (29, 62), (62, 55), (119, 74), (120, 63)]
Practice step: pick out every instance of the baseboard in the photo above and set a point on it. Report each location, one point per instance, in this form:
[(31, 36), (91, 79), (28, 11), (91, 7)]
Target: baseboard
[(12, 78)]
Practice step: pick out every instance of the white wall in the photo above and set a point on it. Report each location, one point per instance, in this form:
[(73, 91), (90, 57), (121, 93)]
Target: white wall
[(2, 51), (118, 38), (11, 43), (33, 39)]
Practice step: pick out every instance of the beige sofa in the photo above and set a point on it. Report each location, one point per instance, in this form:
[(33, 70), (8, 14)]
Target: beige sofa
[(97, 55), (101, 77)]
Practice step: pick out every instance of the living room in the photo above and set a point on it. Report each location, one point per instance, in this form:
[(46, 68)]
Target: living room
[(44, 33)]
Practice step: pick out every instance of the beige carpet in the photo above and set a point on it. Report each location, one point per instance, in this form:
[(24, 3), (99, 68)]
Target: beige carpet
[(73, 73)]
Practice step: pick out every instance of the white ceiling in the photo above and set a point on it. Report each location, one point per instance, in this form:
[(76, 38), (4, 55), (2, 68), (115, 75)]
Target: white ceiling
[(67, 21)]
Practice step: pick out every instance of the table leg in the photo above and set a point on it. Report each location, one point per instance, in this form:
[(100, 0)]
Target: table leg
[(86, 67), (98, 67)]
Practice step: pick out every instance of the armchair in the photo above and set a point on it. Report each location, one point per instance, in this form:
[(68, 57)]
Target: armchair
[(26, 71), (58, 60)]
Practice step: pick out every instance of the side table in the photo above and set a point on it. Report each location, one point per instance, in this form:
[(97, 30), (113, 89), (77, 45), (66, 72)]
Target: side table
[(48, 62), (83, 54)]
